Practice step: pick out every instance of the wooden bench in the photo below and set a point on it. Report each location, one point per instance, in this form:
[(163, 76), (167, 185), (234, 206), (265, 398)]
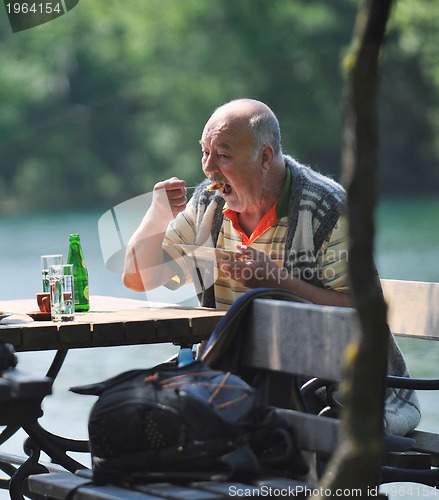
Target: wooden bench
[(294, 339), (315, 343), (414, 313), (58, 486)]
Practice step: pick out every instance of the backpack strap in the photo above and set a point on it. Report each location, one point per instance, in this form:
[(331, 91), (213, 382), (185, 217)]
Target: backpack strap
[(225, 345)]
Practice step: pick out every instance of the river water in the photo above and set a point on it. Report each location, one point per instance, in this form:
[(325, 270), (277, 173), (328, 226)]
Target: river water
[(407, 247)]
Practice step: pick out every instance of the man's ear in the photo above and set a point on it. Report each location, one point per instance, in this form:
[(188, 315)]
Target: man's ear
[(267, 157)]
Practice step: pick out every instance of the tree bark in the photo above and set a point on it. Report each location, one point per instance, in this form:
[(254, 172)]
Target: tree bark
[(356, 462)]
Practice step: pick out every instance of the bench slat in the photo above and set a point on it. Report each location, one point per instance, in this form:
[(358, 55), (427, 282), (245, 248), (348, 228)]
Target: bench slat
[(427, 442), (313, 433), (17, 460), (280, 332), (112, 493), (172, 491), (56, 486), (223, 489), (413, 307)]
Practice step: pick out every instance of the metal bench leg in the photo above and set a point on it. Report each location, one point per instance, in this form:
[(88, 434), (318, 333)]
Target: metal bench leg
[(30, 466)]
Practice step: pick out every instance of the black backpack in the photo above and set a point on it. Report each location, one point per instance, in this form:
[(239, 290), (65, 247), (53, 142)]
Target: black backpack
[(186, 423)]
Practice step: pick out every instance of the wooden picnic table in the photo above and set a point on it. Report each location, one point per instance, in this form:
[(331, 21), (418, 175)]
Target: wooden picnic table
[(111, 321)]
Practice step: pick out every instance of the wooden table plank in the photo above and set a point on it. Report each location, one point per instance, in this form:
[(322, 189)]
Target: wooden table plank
[(136, 322), (36, 336), (13, 335), (137, 331), (75, 333)]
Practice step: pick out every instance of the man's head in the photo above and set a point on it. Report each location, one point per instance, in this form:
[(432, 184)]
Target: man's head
[(241, 147), (254, 115)]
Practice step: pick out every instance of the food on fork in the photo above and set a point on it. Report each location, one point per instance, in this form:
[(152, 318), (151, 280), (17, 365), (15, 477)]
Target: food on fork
[(215, 185)]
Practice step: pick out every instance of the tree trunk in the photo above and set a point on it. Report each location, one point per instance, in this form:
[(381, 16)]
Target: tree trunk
[(356, 462)]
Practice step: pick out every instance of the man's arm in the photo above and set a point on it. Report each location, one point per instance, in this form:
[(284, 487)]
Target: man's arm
[(316, 295), (261, 271), (146, 265)]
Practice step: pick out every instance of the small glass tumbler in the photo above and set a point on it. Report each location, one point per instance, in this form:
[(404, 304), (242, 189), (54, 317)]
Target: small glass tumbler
[(61, 292), (46, 262)]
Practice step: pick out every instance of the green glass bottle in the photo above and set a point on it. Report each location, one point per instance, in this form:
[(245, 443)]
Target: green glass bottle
[(80, 274)]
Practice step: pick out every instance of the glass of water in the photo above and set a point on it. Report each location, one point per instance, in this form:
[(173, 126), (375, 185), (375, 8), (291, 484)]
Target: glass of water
[(46, 262), (61, 292)]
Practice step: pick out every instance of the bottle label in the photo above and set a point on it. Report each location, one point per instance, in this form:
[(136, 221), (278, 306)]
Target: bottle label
[(81, 293)]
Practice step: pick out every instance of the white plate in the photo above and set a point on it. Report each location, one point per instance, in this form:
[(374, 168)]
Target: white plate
[(4, 315), (209, 253)]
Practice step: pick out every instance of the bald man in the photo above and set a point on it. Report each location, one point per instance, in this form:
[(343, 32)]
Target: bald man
[(283, 221)]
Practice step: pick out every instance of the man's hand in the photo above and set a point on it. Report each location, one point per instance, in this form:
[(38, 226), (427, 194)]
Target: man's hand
[(145, 264), (169, 198), (255, 269)]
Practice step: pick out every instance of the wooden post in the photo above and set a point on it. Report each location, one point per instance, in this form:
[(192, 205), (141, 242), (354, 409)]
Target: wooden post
[(356, 462)]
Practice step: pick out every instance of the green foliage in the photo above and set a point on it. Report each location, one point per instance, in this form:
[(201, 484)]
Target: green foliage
[(100, 104)]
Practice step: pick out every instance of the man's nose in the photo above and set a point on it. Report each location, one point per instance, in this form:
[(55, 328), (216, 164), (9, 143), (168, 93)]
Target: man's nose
[(209, 164)]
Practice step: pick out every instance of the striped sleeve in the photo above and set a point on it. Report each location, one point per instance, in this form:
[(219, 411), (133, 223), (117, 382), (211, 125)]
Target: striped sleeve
[(333, 258), (180, 230)]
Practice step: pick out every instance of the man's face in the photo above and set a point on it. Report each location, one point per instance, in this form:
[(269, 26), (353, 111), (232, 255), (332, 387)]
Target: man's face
[(229, 155)]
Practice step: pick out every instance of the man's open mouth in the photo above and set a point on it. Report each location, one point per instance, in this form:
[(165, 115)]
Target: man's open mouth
[(225, 187)]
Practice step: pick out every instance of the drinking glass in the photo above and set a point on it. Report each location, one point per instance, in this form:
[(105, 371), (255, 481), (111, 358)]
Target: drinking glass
[(61, 292), (46, 262)]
